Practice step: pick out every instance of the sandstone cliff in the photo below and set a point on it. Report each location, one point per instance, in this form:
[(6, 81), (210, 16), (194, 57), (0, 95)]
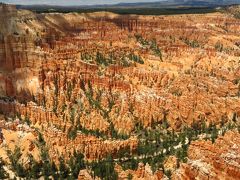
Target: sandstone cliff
[(92, 82)]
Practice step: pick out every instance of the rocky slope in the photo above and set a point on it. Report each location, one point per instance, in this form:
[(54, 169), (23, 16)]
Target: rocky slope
[(94, 82), (212, 161), (48, 57)]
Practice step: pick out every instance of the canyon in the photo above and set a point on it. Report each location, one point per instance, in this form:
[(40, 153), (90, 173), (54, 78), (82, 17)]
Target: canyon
[(97, 83)]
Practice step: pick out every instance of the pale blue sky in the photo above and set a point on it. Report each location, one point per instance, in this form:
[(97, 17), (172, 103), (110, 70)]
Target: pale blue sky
[(72, 2)]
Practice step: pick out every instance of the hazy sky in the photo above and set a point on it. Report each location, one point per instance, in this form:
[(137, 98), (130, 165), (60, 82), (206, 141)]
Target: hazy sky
[(72, 2)]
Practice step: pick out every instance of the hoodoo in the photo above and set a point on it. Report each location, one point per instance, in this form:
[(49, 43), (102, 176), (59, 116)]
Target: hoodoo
[(110, 96)]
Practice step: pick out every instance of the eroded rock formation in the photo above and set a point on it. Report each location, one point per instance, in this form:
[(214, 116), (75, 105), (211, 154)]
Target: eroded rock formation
[(107, 74), (212, 161)]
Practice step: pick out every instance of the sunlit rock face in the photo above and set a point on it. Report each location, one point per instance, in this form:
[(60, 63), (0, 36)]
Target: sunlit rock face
[(105, 72), (207, 160), (195, 78)]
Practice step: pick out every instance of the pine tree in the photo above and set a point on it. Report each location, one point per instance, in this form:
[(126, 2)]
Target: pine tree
[(214, 134), (76, 163), (3, 173), (14, 158), (54, 171), (35, 167), (63, 169)]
